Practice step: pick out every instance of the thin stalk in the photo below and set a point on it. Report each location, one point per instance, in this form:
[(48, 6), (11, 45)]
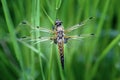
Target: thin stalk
[(103, 55), (33, 35), (36, 22), (99, 29)]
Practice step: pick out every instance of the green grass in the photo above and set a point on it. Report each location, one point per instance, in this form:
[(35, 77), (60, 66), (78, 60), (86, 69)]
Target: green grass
[(94, 58)]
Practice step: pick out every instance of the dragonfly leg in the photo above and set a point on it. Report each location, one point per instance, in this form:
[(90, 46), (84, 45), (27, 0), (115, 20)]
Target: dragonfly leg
[(66, 40)]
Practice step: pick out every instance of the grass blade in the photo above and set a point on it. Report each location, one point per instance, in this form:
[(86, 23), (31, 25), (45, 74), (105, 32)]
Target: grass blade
[(12, 35)]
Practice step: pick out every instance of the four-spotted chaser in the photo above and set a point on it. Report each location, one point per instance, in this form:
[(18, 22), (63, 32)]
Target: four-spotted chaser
[(60, 35)]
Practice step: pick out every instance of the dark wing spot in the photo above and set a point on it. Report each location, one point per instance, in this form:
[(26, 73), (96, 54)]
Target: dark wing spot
[(91, 18), (23, 22), (92, 34), (37, 26), (24, 37)]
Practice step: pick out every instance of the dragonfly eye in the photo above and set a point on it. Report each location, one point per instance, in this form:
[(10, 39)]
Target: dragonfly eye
[(58, 23)]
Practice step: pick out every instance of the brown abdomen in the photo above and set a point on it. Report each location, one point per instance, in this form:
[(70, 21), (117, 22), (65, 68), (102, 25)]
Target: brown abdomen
[(61, 51)]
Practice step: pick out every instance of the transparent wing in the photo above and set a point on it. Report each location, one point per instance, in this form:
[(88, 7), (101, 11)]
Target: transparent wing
[(42, 29), (35, 28), (82, 36), (36, 40), (32, 48), (79, 25)]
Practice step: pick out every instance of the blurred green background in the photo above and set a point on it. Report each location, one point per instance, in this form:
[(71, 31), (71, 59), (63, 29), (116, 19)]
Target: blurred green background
[(94, 58)]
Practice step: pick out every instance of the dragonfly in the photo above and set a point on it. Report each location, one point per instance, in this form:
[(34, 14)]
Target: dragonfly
[(60, 35)]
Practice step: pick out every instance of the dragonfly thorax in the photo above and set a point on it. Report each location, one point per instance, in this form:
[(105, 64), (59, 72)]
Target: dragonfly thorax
[(60, 36)]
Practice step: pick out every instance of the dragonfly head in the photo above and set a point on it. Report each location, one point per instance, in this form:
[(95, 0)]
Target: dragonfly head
[(58, 23)]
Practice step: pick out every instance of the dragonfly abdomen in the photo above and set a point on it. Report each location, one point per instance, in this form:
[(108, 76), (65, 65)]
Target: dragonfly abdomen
[(61, 51)]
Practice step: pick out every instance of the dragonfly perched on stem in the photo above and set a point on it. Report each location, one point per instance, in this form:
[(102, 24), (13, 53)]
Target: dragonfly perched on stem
[(59, 35)]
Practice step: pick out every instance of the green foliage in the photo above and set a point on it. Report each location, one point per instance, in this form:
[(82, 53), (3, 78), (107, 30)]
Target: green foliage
[(93, 58)]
